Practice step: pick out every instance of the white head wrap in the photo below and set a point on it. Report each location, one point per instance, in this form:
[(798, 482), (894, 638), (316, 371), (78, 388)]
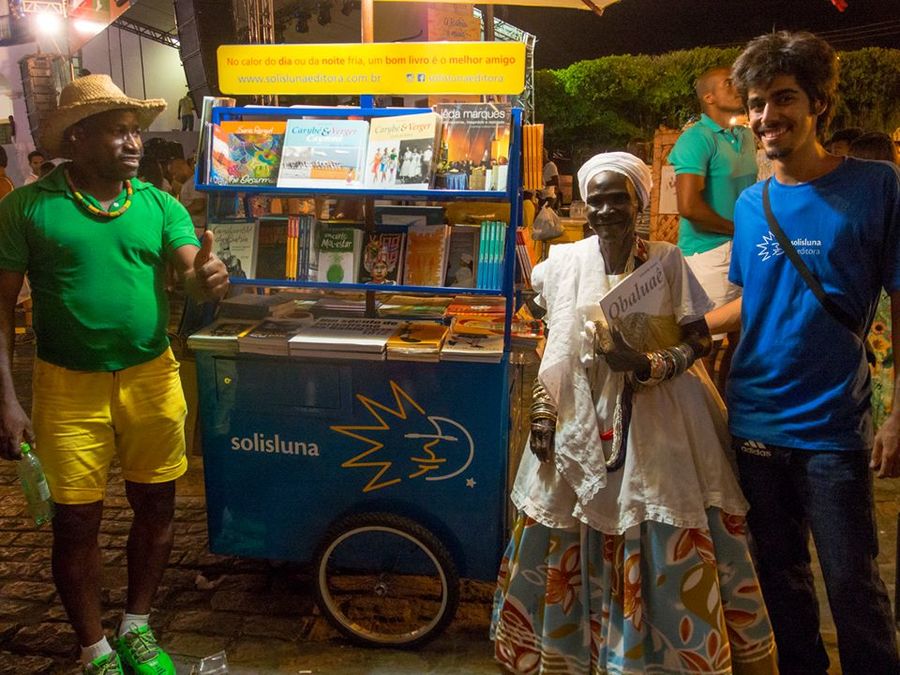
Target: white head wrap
[(619, 162)]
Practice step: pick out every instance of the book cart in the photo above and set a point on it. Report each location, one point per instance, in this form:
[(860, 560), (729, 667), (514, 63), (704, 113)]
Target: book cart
[(389, 476)]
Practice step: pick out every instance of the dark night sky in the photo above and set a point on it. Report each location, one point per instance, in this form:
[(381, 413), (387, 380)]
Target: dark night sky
[(655, 26)]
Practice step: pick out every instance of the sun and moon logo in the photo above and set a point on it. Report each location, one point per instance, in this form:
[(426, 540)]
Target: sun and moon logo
[(769, 248), (404, 442)]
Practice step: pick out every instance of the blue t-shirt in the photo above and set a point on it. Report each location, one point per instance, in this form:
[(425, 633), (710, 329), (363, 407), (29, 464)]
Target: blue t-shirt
[(726, 158), (799, 378)]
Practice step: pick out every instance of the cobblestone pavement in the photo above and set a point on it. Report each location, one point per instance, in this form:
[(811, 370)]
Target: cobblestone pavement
[(260, 612)]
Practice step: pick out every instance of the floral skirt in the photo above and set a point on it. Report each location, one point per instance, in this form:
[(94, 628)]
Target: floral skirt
[(656, 599)]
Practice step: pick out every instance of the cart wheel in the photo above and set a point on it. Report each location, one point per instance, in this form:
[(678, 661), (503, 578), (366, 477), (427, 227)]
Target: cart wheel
[(384, 580)]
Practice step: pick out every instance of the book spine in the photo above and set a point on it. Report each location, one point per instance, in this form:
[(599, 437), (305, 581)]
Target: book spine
[(303, 224), (481, 273), (495, 238)]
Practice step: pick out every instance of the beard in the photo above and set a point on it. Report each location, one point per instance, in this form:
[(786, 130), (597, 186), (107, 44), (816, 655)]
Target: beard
[(778, 153)]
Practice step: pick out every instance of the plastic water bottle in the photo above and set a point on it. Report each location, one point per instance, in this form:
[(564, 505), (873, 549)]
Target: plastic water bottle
[(34, 485)]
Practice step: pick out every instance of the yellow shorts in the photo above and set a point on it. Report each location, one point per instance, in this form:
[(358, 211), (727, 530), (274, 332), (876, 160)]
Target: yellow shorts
[(81, 419)]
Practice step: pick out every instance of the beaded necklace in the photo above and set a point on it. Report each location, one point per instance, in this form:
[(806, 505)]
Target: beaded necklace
[(90, 208)]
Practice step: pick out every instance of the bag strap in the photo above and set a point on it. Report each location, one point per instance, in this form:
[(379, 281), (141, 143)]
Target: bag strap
[(836, 311)]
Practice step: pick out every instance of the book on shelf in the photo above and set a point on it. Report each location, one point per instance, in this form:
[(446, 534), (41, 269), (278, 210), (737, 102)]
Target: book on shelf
[(271, 336), (401, 151), (246, 153), (406, 215), (462, 256), (301, 256), (339, 250), (490, 254), (221, 335), (467, 342), (271, 247), (382, 258), (417, 341), (348, 335), (495, 323), (479, 305), (252, 305), (204, 142), (426, 255), (523, 258), (414, 307), (235, 244), (323, 153), (331, 305), (474, 147)]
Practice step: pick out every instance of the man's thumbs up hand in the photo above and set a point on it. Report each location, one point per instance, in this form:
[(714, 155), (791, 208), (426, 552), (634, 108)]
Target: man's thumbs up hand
[(210, 272), (207, 242)]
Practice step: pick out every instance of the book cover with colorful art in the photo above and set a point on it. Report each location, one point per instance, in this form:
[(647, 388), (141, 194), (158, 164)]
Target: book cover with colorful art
[(246, 152), (402, 151), (382, 258), (323, 153)]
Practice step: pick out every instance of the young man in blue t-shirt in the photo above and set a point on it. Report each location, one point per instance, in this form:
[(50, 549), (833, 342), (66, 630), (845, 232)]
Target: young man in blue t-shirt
[(799, 386)]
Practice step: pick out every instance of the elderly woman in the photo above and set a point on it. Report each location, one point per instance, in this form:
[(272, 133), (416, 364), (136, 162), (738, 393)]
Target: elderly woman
[(629, 554)]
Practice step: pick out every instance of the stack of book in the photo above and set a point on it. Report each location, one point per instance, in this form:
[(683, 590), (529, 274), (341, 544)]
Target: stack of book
[(271, 336), (414, 307), (468, 342), (342, 307), (490, 254), (259, 306), (221, 336), (417, 341), (341, 338)]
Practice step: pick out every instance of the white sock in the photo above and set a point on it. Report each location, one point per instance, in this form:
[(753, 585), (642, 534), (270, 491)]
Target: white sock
[(94, 651), (132, 621)]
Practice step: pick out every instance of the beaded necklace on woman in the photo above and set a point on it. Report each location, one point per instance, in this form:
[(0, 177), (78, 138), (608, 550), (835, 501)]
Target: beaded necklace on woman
[(90, 208)]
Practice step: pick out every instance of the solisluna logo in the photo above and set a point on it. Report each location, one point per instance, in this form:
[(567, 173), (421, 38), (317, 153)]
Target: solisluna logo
[(274, 445), (770, 248)]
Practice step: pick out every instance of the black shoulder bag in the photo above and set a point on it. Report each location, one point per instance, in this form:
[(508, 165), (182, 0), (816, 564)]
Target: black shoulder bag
[(837, 312)]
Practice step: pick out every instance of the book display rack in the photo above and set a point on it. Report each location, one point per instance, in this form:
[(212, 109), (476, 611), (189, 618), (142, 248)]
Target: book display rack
[(343, 405)]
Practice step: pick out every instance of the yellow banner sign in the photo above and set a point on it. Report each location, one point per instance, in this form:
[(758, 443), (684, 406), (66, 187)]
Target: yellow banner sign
[(405, 68)]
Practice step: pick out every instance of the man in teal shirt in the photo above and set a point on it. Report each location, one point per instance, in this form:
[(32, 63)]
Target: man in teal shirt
[(714, 161)]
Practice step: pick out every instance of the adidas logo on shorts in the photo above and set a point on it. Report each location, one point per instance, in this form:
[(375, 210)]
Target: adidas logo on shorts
[(755, 448)]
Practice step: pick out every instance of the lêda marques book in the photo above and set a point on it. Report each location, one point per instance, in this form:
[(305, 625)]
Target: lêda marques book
[(639, 308)]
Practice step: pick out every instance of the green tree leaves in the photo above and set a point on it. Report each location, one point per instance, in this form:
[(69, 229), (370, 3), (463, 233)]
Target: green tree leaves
[(598, 105)]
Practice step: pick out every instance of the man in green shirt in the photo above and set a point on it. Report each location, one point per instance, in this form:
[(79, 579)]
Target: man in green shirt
[(95, 242), (714, 160)]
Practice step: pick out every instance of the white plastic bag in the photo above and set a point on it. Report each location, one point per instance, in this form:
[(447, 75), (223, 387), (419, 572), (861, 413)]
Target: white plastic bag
[(547, 225)]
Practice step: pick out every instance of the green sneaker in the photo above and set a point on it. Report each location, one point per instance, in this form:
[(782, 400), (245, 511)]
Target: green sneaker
[(140, 652), (108, 664)]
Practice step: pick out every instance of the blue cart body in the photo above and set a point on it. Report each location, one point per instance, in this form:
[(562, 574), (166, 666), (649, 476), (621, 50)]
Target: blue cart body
[(291, 445)]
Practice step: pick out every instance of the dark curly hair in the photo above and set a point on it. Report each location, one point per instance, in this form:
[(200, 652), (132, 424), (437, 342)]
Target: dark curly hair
[(810, 59)]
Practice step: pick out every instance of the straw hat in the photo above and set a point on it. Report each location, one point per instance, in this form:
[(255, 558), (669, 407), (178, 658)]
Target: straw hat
[(87, 96)]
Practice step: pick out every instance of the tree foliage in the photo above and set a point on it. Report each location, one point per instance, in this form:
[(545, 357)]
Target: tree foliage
[(604, 103)]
